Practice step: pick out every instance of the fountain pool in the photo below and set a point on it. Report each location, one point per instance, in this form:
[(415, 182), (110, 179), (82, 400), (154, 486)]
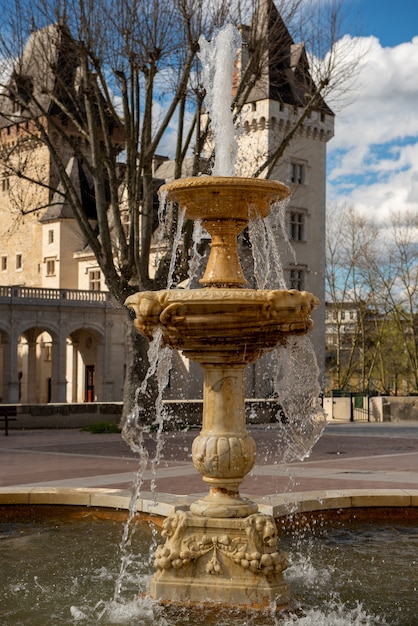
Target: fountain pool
[(59, 566)]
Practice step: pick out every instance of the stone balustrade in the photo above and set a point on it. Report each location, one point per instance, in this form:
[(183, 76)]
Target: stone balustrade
[(23, 295)]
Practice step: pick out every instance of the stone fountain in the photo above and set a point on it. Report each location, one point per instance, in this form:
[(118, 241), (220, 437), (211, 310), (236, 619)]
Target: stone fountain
[(223, 549)]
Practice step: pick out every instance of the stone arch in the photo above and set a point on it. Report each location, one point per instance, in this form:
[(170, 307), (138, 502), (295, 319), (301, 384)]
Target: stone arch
[(84, 364), (62, 364), (34, 361)]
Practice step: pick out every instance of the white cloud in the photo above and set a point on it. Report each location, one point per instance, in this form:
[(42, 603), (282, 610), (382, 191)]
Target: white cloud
[(373, 158)]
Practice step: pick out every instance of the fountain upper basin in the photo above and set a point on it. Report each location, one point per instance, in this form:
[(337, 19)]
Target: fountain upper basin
[(225, 197), (225, 205)]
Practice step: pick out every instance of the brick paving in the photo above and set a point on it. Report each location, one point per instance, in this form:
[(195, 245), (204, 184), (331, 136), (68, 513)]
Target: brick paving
[(347, 456)]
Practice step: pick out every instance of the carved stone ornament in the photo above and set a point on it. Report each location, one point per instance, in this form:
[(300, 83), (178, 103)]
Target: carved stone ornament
[(255, 551)]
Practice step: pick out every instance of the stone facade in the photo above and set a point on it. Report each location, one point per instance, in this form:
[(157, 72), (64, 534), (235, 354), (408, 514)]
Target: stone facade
[(303, 169), (60, 346)]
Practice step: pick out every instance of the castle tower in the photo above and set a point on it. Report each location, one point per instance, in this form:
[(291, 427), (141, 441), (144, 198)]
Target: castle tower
[(271, 111)]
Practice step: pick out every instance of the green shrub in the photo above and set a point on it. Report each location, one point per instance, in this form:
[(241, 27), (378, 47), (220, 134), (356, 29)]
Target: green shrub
[(102, 427)]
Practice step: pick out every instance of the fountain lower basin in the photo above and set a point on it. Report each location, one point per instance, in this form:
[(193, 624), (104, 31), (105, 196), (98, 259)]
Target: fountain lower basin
[(207, 324)]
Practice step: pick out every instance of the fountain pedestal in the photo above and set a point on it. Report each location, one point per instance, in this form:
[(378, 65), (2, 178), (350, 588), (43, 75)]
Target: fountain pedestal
[(229, 561), (223, 452), (223, 549)]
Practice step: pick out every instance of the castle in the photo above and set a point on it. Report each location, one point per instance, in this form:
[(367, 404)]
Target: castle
[(62, 336)]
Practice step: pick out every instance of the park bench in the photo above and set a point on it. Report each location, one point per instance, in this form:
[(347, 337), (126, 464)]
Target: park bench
[(7, 414)]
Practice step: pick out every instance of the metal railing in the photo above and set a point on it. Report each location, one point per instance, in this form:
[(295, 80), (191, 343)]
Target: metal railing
[(359, 404)]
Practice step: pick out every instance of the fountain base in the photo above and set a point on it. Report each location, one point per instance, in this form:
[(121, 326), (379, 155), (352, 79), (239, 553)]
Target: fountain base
[(227, 561)]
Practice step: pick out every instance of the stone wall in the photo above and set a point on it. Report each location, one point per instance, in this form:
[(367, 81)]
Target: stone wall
[(63, 415), (182, 414), (400, 409), (382, 409)]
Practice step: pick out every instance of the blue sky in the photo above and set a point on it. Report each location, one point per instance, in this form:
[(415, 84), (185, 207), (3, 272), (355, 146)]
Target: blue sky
[(393, 22), (373, 158)]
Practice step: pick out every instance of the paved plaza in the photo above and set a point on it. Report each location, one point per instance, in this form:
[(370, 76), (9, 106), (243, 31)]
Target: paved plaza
[(347, 456)]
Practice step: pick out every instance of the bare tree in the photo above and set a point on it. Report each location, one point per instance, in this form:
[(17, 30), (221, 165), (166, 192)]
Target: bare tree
[(373, 268), (350, 248), (112, 76), (395, 272)]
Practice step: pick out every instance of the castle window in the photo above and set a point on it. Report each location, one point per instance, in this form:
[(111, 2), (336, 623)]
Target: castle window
[(94, 280), (3, 263), (50, 236), (50, 267), (297, 173), (297, 226), (5, 184), (19, 261), (297, 279), (253, 106)]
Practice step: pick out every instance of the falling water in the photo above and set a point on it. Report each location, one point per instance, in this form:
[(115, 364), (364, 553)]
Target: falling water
[(293, 365), (265, 235), (197, 254), (176, 243), (134, 430), (137, 423), (298, 390)]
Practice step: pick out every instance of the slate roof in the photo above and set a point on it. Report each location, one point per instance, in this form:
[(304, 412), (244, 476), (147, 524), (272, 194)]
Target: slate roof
[(46, 68), (285, 69)]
